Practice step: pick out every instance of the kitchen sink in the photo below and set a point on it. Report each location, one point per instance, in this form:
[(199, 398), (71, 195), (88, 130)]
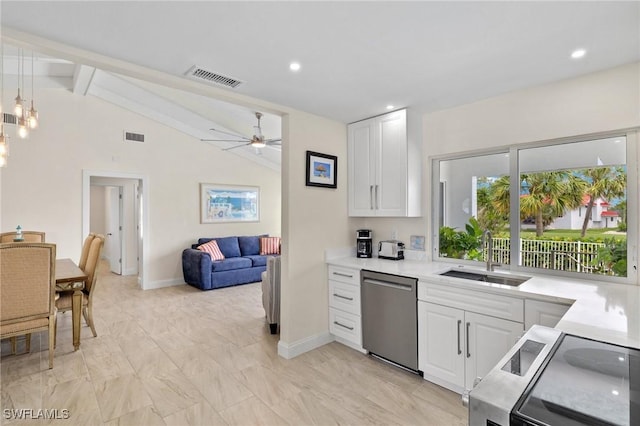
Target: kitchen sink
[(489, 278)]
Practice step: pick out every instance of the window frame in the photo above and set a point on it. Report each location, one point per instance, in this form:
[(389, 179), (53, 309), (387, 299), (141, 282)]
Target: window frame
[(632, 140)]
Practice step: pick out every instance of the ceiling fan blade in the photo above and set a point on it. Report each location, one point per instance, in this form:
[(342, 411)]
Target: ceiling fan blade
[(273, 140), (234, 147), (222, 140), (232, 134)]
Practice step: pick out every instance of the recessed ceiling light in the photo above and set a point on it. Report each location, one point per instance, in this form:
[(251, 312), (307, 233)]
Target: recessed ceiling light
[(294, 66), (578, 53), (390, 107)]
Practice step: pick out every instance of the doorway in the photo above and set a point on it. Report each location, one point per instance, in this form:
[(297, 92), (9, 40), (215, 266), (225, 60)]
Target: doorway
[(113, 205)]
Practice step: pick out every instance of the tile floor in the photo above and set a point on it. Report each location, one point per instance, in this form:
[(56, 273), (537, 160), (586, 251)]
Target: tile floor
[(180, 356)]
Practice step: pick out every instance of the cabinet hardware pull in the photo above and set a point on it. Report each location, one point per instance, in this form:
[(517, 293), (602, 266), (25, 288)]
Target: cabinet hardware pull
[(371, 196), (397, 286), (459, 349), (377, 206), (342, 297), (342, 325), (468, 353), (343, 275)]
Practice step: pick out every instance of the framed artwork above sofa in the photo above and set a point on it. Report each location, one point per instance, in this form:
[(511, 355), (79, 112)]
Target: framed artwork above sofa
[(229, 203)]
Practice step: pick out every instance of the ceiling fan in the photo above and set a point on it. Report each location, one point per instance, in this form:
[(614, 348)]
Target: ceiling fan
[(257, 141)]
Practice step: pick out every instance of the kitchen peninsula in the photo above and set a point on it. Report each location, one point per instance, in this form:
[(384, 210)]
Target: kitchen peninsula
[(596, 310)]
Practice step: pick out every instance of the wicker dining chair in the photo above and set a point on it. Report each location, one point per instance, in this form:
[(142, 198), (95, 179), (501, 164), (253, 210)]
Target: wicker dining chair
[(85, 250), (64, 302), (27, 290), (27, 237)]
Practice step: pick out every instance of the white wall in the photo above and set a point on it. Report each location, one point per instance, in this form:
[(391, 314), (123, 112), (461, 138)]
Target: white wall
[(42, 184), (313, 219), (598, 102)]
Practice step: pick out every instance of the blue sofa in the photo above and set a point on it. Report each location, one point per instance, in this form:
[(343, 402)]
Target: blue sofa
[(242, 263)]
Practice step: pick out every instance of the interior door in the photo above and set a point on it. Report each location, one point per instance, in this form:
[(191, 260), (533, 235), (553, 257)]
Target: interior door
[(114, 228)]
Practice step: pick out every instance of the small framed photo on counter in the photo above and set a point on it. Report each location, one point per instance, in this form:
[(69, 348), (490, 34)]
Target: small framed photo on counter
[(416, 242)]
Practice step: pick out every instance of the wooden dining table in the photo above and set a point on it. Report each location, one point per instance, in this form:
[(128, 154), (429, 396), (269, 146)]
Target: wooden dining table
[(69, 277)]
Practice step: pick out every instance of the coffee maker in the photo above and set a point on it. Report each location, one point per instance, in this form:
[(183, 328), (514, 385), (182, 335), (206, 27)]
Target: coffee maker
[(364, 243)]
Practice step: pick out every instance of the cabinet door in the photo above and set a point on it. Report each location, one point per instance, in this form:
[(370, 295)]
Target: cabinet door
[(543, 313), (390, 190), (361, 154), (488, 339), (440, 342)]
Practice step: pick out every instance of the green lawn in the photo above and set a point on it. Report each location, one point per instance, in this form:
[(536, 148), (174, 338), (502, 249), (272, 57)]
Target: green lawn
[(574, 234)]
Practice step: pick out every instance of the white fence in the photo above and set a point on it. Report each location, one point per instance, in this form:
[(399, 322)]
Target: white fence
[(574, 256)]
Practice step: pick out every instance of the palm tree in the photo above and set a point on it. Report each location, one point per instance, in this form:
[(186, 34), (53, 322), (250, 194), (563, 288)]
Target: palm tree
[(545, 195), (602, 182)]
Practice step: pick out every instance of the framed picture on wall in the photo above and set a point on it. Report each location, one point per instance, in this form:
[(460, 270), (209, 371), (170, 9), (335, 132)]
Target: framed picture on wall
[(229, 203), (322, 170)]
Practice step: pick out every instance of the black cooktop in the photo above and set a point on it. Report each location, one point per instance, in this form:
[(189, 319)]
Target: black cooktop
[(585, 383)]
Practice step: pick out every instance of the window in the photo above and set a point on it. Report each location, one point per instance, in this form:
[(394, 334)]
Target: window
[(467, 186), (568, 215)]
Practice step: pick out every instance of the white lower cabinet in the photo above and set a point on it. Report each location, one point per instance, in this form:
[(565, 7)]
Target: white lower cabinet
[(543, 313), (345, 323), (456, 346)]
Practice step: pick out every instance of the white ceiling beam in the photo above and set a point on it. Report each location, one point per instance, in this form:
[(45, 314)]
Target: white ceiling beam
[(133, 98), (82, 78)]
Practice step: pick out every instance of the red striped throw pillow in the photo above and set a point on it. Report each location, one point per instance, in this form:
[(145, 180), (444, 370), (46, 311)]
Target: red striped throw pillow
[(270, 245), (212, 248)]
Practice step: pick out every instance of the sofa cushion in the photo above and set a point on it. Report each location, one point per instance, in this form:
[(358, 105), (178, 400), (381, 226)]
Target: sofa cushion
[(250, 246), (229, 246), (258, 260), (212, 248), (270, 245), (230, 264)]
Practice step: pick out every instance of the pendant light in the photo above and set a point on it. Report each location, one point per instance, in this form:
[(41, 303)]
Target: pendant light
[(23, 131), (33, 113), (19, 108)]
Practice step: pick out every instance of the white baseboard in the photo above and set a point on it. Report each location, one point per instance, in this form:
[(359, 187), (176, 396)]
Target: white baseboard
[(351, 345), (292, 350), (164, 283)]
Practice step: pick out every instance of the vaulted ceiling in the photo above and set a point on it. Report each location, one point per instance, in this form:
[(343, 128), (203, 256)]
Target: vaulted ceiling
[(356, 57)]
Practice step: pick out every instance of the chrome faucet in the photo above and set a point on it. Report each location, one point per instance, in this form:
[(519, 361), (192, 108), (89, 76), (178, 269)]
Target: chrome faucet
[(486, 236)]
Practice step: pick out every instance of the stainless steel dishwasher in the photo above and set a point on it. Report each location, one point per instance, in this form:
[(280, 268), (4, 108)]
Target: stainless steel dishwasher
[(390, 317)]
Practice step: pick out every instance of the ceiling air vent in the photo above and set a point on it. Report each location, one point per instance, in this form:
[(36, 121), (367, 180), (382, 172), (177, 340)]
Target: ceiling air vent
[(9, 118), (134, 137), (198, 73)]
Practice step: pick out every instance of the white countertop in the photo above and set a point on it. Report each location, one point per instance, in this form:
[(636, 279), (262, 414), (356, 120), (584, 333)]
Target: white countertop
[(600, 311)]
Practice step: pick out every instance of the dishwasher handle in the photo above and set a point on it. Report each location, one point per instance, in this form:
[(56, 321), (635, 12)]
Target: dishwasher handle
[(396, 286)]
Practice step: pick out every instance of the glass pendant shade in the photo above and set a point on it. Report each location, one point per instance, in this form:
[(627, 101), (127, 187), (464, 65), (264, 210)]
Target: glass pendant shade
[(33, 117), (18, 109), (22, 127), (4, 148)]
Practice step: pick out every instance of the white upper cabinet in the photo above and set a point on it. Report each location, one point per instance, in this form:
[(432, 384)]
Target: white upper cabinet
[(384, 166)]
